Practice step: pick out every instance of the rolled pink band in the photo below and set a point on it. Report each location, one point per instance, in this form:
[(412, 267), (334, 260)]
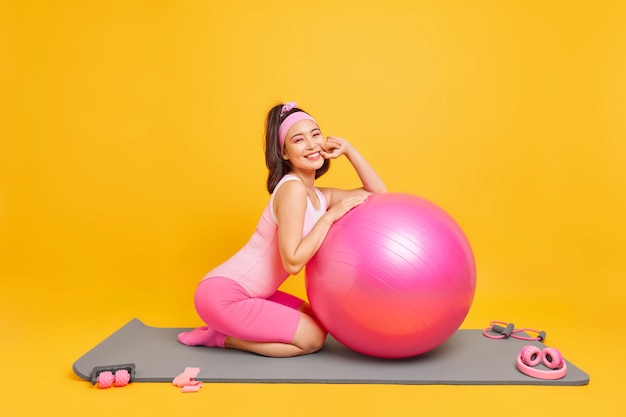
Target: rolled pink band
[(186, 381), (289, 121)]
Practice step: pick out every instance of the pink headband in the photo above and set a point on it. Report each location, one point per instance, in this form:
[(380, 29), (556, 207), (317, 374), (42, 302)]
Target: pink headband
[(289, 121)]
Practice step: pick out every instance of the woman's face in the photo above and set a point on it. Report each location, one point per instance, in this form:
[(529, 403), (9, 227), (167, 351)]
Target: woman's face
[(303, 143)]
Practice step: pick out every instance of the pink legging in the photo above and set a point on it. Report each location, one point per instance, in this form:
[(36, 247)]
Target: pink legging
[(226, 306)]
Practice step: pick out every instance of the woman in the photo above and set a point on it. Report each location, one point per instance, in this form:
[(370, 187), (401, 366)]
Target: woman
[(239, 300)]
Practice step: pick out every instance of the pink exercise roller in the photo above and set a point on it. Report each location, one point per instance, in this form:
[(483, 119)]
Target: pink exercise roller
[(113, 375)]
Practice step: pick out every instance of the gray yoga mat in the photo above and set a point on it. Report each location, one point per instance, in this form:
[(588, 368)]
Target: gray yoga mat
[(467, 358)]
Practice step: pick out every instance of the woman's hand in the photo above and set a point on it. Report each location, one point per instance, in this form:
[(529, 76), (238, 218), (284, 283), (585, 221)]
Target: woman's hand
[(346, 204), (334, 147)]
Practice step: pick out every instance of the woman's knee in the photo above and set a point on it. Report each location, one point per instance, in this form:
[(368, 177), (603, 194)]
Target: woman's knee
[(309, 337), (315, 342)]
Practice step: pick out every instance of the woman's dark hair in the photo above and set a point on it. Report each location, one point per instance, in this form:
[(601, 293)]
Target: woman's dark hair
[(274, 161)]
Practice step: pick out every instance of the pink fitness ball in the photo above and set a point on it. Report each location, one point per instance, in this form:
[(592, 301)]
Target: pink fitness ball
[(394, 278)]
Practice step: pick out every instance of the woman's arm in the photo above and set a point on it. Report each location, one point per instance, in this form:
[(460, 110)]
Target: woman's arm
[(290, 206), (372, 183)]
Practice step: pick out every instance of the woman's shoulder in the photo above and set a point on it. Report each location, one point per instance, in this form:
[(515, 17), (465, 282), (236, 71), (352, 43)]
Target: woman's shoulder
[(288, 185), (288, 178), (288, 190)]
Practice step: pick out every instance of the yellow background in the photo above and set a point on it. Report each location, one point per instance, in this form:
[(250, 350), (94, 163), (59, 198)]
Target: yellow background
[(131, 163)]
